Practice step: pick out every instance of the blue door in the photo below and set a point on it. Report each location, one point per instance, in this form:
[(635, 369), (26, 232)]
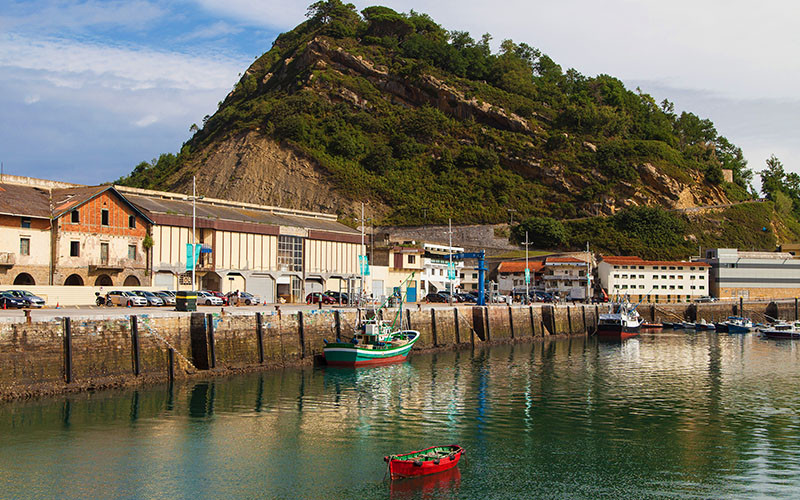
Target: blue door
[(411, 294)]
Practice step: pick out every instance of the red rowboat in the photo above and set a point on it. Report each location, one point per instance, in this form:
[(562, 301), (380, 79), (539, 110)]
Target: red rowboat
[(428, 461)]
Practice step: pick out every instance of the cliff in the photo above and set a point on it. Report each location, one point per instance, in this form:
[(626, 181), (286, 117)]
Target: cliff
[(425, 125)]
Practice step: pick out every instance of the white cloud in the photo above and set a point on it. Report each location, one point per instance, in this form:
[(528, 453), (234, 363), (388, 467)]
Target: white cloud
[(78, 15), (215, 30), (265, 13), (74, 64), (146, 121), (32, 99)]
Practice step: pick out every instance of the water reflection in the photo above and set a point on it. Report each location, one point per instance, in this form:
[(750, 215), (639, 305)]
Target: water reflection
[(675, 414)]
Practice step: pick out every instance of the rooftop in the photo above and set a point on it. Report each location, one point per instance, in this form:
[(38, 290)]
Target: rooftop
[(621, 260)]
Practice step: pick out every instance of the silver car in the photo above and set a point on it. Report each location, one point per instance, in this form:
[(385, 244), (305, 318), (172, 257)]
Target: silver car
[(152, 299), (168, 298), (124, 298)]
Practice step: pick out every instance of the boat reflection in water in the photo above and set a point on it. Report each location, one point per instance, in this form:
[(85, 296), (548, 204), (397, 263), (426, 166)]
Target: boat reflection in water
[(441, 485)]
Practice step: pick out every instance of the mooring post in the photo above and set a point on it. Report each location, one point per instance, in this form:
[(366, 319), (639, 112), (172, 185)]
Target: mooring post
[(408, 318), (455, 323), (135, 343), (569, 320), (338, 318), (741, 306), (260, 338), (67, 350), (433, 327), (488, 324), (171, 364), (583, 313), (211, 342), (511, 321), (533, 325), (302, 333), (795, 309)]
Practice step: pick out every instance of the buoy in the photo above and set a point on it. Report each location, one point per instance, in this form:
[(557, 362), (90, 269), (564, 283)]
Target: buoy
[(58, 306)]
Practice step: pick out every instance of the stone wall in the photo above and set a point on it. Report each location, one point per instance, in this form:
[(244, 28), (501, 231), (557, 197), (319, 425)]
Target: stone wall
[(41, 358)]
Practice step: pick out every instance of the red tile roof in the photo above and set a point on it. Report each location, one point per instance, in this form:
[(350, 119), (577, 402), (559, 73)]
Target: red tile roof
[(565, 260), (621, 260), (519, 267)]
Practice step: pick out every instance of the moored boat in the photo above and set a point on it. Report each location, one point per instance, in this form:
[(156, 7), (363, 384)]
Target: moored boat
[(703, 325), (782, 331), (422, 462), (375, 341), (652, 326), (376, 344), (621, 323), (737, 324)]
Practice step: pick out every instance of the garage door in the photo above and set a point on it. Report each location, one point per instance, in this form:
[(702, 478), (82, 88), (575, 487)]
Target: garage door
[(262, 286), (164, 281)]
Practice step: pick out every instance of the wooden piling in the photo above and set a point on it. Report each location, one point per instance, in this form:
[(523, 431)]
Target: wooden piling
[(67, 350), (135, 344)]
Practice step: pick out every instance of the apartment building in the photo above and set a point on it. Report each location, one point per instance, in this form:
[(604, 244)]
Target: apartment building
[(653, 280), (435, 261)]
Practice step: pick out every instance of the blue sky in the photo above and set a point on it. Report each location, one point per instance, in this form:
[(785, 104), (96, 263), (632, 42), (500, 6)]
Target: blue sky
[(91, 88)]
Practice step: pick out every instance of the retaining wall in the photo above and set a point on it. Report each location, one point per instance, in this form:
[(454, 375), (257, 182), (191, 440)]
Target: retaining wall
[(80, 353)]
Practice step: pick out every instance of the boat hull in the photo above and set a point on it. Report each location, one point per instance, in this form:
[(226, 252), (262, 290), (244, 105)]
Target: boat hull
[(780, 334), (345, 354), (409, 465), (617, 331), (737, 329)]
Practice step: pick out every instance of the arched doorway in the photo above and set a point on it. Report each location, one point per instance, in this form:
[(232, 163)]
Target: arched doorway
[(73, 280), (24, 279), (103, 280), (132, 281), (234, 281), (211, 281)]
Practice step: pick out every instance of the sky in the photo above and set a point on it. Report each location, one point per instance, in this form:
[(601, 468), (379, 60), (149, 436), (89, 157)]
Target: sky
[(88, 89)]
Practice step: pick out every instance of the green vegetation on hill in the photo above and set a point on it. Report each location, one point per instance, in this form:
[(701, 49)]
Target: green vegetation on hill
[(430, 157), (655, 233)]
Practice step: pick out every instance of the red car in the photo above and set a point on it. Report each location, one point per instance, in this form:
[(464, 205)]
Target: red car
[(317, 297), (220, 295)]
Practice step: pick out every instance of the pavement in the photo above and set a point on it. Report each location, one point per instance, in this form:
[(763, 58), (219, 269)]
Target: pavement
[(99, 312)]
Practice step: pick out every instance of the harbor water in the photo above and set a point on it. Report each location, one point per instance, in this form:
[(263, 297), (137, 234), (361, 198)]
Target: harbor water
[(666, 415)]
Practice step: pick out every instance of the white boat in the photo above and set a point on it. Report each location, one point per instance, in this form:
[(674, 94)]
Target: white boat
[(782, 330)]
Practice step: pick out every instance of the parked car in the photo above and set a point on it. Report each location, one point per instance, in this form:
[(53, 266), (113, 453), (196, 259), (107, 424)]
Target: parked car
[(7, 301), (544, 296), (168, 298), (436, 297), (446, 295), (124, 298), (249, 299), (207, 299), (152, 299), (338, 297), (317, 297), (221, 295), (705, 299), (467, 297), (33, 300)]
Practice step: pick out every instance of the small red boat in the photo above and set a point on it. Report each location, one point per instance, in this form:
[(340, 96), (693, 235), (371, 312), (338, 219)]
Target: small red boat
[(428, 461)]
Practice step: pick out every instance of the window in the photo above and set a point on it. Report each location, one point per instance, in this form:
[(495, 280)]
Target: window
[(412, 259), (672, 287), (671, 268), (680, 268), (680, 287), (75, 217), (104, 253), (24, 246), (655, 276), (616, 286), (624, 286), (641, 267), (641, 286), (691, 276), (702, 287), (616, 275), (692, 287), (25, 222), (132, 252), (680, 276), (104, 217), (624, 267), (663, 276), (474, 276), (132, 221), (641, 276), (74, 248), (672, 276), (624, 276), (616, 267), (663, 268), (691, 268), (290, 253), (663, 287)]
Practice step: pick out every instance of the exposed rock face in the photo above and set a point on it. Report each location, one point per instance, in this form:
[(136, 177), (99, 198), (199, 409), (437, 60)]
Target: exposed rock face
[(256, 169)]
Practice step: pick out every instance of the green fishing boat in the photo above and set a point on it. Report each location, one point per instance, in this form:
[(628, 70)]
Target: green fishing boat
[(375, 341)]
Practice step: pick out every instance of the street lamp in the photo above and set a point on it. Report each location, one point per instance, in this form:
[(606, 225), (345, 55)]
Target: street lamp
[(194, 199), (511, 215)]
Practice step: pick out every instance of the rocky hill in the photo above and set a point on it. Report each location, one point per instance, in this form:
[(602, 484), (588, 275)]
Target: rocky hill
[(423, 125)]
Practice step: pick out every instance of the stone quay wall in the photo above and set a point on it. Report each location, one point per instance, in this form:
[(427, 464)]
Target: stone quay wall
[(74, 354)]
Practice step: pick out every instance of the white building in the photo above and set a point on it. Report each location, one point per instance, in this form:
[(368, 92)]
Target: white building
[(753, 275), (435, 260), (653, 280)]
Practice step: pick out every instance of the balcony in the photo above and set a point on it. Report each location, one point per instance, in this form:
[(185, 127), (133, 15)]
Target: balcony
[(112, 265), (7, 259)]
